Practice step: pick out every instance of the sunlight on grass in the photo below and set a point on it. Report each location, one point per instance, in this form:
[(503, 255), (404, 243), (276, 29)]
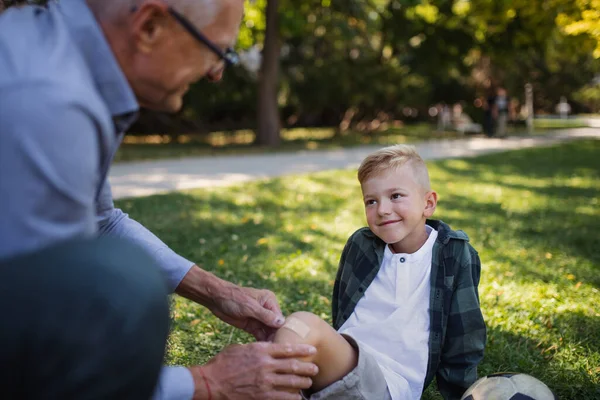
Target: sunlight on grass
[(160, 146), (532, 215)]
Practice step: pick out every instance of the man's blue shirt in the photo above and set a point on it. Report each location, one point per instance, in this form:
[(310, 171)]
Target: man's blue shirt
[(64, 107)]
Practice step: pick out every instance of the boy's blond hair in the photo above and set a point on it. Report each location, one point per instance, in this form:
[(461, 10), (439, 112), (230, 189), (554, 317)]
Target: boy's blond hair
[(392, 157)]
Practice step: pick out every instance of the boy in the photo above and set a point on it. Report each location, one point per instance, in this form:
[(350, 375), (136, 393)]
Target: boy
[(405, 300)]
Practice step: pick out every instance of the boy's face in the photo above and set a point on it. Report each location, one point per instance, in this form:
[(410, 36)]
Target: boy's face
[(396, 207)]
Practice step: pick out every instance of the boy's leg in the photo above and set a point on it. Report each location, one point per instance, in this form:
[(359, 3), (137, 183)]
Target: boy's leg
[(335, 357)]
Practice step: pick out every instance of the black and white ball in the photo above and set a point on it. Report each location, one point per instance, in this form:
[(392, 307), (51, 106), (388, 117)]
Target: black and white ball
[(509, 386)]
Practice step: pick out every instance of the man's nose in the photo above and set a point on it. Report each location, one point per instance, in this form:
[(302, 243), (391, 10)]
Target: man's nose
[(215, 75)]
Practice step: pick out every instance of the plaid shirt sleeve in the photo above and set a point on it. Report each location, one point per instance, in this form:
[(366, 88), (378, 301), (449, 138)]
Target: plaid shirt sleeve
[(466, 332), (358, 267)]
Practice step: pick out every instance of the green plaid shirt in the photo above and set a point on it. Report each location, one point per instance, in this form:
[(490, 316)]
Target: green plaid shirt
[(457, 331)]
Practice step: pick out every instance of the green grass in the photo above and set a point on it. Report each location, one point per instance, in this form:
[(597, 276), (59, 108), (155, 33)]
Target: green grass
[(154, 147), (241, 142), (533, 215), (557, 123)]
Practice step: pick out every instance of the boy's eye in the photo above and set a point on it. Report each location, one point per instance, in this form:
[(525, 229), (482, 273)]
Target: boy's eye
[(396, 196), (370, 202)]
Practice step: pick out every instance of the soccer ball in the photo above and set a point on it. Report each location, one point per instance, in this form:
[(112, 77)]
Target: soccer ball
[(509, 386)]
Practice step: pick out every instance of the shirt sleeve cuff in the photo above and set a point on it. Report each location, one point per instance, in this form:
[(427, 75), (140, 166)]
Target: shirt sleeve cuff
[(174, 266), (174, 383)]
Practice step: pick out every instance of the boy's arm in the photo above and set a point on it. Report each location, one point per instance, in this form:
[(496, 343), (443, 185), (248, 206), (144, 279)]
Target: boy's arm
[(465, 334), (337, 284)]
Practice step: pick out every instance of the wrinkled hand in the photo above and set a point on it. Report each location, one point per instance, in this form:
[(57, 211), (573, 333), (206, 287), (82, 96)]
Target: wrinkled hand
[(254, 310), (265, 371)]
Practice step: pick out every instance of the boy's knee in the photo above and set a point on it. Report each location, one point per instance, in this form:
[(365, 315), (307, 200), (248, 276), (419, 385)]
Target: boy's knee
[(307, 317), (302, 326)]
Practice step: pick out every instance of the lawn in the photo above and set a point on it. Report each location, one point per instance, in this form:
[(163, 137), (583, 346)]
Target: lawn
[(153, 147), (533, 215)]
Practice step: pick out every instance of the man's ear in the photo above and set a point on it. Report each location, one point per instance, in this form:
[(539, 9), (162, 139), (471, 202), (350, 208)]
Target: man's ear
[(431, 198), (149, 22)]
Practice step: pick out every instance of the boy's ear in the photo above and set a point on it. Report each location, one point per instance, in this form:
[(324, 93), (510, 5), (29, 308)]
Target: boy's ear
[(431, 198)]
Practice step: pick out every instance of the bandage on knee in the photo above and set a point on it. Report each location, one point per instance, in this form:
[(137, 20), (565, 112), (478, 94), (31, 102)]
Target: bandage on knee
[(298, 326)]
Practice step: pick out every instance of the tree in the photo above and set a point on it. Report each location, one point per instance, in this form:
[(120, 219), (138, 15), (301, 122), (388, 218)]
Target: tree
[(268, 82), (589, 96), (583, 19)]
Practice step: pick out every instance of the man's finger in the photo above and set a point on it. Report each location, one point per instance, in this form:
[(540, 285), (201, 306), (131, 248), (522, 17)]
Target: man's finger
[(272, 304), (295, 382), (291, 381), (288, 350), (264, 315), (293, 366), (284, 395)]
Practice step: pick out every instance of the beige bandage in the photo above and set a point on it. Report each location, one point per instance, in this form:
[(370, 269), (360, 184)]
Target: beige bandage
[(297, 326)]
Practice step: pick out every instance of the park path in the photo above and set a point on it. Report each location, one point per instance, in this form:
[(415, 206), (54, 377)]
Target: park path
[(136, 179)]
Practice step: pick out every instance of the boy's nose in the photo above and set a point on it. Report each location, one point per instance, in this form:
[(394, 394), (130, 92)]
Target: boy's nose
[(384, 208)]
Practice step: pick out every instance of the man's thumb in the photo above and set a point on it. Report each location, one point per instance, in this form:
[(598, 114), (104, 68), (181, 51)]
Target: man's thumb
[(266, 316)]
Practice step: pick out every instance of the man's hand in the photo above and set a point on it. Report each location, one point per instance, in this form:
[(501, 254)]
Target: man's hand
[(265, 371), (253, 310)]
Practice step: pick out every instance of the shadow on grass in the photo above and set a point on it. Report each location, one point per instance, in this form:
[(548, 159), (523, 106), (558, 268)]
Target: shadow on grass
[(564, 222), (236, 230), (547, 231), (509, 352)]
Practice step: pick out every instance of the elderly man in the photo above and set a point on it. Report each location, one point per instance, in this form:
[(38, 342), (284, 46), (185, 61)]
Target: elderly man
[(82, 286)]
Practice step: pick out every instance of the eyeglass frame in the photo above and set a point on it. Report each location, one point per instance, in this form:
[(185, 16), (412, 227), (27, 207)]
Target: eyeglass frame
[(229, 56)]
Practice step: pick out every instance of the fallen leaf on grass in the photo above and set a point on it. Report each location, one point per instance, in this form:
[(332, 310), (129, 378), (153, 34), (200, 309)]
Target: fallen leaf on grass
[(553, 347)]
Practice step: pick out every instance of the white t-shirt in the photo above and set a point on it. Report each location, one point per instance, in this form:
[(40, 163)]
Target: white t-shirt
[(391, 321)]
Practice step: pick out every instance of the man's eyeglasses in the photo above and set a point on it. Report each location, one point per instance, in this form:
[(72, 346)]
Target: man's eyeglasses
[(229, 55)]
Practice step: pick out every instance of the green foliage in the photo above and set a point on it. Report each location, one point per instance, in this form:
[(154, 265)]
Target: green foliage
[(533, 216), (590, 96), (381, 56), (358, 59), (582, 19)]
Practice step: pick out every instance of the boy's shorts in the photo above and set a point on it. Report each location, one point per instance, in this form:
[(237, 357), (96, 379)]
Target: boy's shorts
[(364, 382)]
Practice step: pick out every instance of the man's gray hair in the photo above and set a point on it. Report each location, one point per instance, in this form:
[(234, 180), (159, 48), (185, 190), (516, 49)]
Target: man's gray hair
[(200, 12)]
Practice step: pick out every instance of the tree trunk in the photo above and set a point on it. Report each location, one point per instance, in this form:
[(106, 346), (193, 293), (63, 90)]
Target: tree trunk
[(268, 82)]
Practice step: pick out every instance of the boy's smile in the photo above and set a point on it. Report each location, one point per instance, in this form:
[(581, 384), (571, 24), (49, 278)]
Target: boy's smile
[(396, 207), (389, 222)]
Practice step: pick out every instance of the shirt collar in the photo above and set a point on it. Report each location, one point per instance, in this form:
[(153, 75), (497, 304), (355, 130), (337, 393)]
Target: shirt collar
[(419, 254), (106, 72)]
